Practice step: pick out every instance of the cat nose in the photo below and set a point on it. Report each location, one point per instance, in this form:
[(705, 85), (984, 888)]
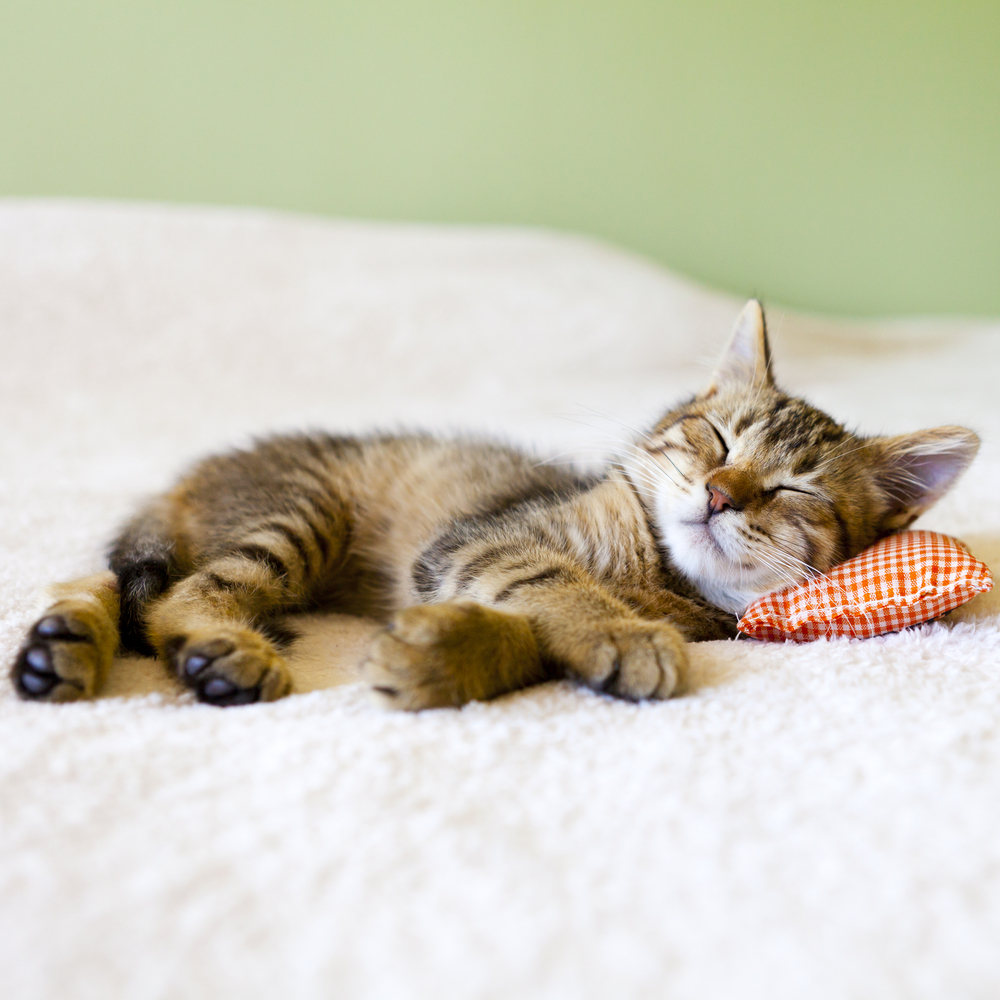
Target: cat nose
[(718, 501)]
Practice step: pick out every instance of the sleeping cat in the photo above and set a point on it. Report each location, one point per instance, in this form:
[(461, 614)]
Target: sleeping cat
[(489, 570)]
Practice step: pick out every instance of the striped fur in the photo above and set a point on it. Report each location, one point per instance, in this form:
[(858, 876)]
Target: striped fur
[(490, 570)]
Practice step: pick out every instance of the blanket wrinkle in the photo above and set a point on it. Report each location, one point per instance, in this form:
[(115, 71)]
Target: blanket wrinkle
[(807, 820)]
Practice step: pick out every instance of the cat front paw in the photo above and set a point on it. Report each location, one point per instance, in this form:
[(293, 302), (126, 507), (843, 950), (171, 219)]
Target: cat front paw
[(438, 655), (633, 659)]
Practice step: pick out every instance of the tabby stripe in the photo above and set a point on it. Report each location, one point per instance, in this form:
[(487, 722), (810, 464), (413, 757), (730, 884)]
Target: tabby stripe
[(319, 496), (338, 445), (813, 551), (803, 525), (475, 566), (322, 542), (552, 573), (425, 579), (257, 553), (278, 632), (844, 533), (464, 579), (312, 511), (293, 536), (539, 534), (805, 464), (477, 563), (223, 584)]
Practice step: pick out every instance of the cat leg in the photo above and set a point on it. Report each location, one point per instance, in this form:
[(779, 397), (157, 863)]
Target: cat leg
[(435, 655), (597, 639), (68, 650), (579, 629), (216, 630)]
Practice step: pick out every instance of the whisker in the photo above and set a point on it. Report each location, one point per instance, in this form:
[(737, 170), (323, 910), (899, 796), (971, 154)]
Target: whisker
[(648, 462), (818, 574), (614, 420)]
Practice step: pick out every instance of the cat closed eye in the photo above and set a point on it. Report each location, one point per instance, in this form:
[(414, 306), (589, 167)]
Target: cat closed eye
[(699, 435), (787, 489), (720, 439)]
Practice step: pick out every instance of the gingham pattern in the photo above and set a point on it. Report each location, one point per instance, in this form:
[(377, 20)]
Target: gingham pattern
[(900, 581)]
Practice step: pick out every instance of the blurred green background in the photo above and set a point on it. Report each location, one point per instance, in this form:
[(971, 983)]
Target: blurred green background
[(841, 157)]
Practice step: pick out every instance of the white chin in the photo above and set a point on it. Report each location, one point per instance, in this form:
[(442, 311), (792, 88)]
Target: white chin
[(697, 553)]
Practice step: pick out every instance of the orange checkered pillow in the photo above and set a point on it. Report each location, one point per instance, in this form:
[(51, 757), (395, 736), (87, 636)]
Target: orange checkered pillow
[(900, 581)]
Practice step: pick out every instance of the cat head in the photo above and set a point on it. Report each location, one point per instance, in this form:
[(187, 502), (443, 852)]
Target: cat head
[(753, 490)]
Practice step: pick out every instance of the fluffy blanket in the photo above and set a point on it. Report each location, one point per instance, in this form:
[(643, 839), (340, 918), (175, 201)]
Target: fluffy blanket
[(812, 820)]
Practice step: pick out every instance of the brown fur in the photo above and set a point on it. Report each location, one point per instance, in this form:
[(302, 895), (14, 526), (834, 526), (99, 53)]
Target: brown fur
[(491, 571)]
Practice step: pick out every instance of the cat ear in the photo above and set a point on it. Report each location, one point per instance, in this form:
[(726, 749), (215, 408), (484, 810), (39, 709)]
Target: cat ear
[(916, 470), (747, 360)]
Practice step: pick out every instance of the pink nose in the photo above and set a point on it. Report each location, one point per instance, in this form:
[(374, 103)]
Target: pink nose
[(718, 501)]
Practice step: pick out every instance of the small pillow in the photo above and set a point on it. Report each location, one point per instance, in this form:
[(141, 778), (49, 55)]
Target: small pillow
[(900, 581)]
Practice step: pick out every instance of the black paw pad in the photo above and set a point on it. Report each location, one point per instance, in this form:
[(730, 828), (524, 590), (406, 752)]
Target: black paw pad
[(51, 626), (195, 664), (222, 692), (34, 674), (191, 664), (55, 627)]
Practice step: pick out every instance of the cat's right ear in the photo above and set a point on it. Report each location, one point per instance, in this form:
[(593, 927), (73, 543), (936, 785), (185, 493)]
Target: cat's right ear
[(747, 359)]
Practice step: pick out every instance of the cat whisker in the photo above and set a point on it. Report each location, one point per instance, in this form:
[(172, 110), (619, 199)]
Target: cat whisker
[(788, 557), (673, 463), (652, 476), (635, 430), (656, 469), (575, 456), (614, 420)]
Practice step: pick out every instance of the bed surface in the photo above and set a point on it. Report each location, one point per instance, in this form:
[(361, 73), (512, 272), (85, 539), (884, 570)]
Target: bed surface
[(813, 820)]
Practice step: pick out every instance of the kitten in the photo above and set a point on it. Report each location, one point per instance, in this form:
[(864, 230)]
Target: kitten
[(490, 571)]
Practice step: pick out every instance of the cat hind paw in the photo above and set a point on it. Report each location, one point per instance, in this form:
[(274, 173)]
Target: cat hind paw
[(60, 659), (229, 666)]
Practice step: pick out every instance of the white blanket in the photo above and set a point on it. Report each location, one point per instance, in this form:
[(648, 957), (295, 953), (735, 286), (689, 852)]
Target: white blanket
[(813, 821)]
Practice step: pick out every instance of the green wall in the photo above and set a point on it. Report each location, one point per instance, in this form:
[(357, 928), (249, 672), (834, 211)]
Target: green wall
[(837, 156)]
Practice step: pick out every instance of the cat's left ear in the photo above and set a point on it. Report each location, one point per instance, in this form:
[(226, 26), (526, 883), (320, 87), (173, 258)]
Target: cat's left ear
[(747, 360), (916, 470)]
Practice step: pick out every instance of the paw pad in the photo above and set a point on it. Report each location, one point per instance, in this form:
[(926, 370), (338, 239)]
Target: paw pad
[(219, 691), (195, 664), (35, 675)]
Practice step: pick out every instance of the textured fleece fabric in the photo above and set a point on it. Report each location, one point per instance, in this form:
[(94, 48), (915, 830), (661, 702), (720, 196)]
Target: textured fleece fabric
[(817, 820)]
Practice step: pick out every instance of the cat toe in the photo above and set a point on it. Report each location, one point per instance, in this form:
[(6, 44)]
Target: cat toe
[(59, 627), (34, 676), (633, 660)]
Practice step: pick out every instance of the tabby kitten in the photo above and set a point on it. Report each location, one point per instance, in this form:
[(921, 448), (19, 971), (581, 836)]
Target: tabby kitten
[(490, 571)]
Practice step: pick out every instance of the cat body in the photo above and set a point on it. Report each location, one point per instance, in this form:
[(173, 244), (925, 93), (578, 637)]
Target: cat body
[(491, 571)]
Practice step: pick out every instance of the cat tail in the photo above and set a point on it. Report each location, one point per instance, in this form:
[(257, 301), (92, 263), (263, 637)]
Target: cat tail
[(143, 559)]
